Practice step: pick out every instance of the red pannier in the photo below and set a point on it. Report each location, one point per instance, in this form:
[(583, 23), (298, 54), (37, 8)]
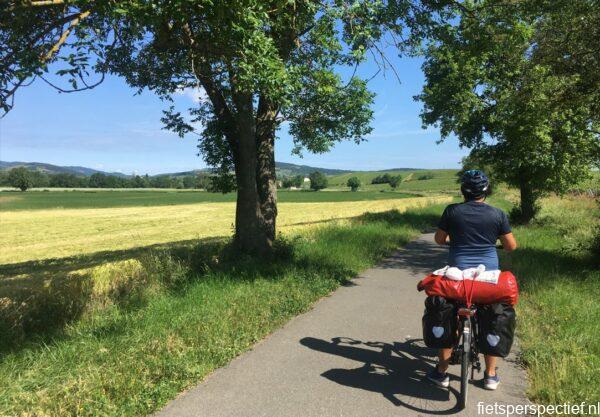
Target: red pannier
[(506, 291)]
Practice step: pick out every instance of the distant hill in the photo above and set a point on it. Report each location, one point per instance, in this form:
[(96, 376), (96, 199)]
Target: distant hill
[(56, 169), (283, 169)]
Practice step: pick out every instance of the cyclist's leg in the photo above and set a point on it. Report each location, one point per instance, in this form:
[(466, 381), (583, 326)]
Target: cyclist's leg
[(490, 365), (444, 359)]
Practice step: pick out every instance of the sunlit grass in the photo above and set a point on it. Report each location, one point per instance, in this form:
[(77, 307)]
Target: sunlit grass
[(41, 234)]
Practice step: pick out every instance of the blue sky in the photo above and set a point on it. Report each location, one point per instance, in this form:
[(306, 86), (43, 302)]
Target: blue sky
[(112, 129)]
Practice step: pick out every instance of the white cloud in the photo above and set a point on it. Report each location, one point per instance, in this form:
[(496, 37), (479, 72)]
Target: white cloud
[(196, 95), (399, 133)]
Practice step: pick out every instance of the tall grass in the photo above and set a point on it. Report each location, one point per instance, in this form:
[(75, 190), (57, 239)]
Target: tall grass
[(559, 324), (176, 315)]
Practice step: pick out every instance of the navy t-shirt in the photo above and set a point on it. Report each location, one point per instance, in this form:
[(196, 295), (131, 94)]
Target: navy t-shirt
[(473, 228)]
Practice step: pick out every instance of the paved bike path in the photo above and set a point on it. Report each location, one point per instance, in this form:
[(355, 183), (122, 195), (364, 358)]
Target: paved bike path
[(356, 353)]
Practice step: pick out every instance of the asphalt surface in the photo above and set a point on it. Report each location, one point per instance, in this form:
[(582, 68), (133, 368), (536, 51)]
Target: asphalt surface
[(356, 353)]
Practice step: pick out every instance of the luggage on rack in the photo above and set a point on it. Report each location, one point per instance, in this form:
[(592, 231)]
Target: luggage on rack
[(439, 323), (505, 291), (497, 324)]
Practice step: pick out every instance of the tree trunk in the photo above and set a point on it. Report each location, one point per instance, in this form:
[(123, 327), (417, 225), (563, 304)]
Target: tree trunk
[(265, 170), (256, 209), (528, 202)]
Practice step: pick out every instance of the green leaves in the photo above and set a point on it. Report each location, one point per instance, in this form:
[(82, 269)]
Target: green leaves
[(489, 81)]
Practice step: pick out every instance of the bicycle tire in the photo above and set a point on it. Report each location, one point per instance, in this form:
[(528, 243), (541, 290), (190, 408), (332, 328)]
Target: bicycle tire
[(464, 364), (464, 380)]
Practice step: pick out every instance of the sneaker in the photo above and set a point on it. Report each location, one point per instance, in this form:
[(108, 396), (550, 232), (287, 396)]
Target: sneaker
[(491, 382), (438, 378)]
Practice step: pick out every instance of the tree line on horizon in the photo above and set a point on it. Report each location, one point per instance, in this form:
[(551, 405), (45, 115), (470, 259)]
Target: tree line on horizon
[(24, 179)]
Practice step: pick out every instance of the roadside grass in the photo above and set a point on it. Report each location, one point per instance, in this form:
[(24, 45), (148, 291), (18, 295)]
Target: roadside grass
[(149, 331), (38, 199), (30, 235), (559, 311)]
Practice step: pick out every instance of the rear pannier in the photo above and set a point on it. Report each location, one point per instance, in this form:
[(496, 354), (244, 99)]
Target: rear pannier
[(439, 323), (497, 324)]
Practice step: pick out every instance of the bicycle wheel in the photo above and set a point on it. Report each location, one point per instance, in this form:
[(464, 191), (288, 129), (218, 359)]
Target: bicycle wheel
[(464, 380), (465, 363)]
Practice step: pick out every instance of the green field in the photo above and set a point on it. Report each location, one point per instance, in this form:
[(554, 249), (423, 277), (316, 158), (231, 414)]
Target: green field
[(33, 200), (444, 180)]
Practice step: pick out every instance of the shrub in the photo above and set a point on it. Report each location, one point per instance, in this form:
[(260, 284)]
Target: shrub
[(518, 216), (353, 183), (395, 181), (381, 179), (426, 176)]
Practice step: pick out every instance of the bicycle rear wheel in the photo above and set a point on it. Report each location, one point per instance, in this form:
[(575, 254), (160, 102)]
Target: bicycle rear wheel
[(465, 363), (464, 380)]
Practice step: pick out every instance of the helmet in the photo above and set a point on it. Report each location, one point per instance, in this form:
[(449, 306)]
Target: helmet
[(474, 184)]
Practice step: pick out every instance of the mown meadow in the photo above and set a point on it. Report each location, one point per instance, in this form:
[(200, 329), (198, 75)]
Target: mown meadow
[(33, 235)]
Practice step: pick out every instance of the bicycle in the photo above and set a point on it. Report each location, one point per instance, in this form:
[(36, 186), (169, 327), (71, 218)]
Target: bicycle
[(465, 352)]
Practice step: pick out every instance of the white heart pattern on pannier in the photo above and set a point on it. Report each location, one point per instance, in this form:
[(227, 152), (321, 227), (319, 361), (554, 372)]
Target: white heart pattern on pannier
[(493, 339), (437, 331)]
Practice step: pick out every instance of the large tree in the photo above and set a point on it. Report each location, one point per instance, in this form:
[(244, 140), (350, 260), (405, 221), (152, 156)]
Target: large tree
[(256, 62), (500, 78)]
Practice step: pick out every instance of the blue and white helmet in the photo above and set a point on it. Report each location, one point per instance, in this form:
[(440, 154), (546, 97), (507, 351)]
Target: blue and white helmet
[(474, 184)]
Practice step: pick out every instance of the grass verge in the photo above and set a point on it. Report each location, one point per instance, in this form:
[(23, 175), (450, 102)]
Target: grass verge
[(158, 328), (559, 311)]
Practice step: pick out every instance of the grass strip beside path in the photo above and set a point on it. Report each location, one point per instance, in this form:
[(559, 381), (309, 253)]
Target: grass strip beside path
[(559, 309)]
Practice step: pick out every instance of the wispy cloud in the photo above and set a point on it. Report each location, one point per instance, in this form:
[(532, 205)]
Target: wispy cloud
[(196, 95), (400, 133)]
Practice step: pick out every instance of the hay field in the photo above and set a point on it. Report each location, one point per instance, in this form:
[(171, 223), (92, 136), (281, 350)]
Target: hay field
[(29, 235)]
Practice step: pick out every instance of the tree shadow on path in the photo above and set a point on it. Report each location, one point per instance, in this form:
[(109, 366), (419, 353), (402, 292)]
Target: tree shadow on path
[(397, 371)]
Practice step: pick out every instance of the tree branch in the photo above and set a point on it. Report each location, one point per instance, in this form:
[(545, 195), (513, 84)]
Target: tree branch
[(56, 47), (205, 78)]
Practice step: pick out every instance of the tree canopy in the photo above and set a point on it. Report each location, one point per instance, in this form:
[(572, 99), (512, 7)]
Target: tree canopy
[(318, 181), (524, 103), (257, 63), (20, 178)]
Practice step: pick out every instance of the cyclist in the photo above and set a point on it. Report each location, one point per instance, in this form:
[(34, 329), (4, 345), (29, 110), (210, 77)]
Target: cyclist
[(471, 229)]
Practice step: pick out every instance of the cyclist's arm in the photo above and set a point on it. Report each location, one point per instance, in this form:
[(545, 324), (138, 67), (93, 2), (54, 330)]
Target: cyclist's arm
[(441, 237), (508, 241)]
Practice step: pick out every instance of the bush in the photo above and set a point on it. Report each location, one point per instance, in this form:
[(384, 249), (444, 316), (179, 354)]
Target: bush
[(395, 181), (381, 179), (295, 181), (427, 176), (518, 216), (353, 183), (318, 181)]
